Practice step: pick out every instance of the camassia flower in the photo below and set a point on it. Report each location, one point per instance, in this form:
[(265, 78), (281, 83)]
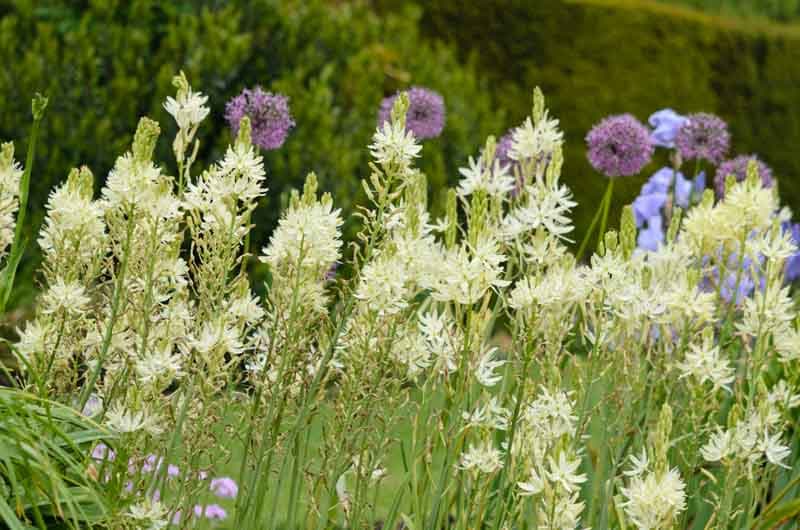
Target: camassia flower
[(479, 334)]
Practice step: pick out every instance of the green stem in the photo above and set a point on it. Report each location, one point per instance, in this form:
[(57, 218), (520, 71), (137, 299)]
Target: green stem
[(38, 105), (588, 235), (606, 207), (109, 331)]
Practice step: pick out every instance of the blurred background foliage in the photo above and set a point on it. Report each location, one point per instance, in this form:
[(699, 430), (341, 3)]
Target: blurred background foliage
[(781, 10), (598, 57), (104, 63)]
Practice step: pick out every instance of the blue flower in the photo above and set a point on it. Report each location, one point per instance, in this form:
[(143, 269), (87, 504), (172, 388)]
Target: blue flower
[(652, 236), (656, 190), (648, 206), (659, 182), (683, 190), (666, 124), (700, 182), (737, 284), (793, 263)]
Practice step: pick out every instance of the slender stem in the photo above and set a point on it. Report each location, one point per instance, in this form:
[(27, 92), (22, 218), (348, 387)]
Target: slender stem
[(18, 244), (109, 331), (606, 207), (588, 235)]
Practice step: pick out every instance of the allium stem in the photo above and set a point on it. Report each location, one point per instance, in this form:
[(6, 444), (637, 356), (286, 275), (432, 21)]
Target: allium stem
[(606, 207), (595, 219)]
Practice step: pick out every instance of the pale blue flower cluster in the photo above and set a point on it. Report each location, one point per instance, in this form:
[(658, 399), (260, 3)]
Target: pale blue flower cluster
[(669, 187), (654, 197)]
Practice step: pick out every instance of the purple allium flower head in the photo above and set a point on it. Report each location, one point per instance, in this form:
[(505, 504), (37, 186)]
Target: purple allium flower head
[(224, 487), (425, 116), (619, 146), (173, 471), (704, 136), (666, 124), (212, 511), (269, 116), (738, 168)]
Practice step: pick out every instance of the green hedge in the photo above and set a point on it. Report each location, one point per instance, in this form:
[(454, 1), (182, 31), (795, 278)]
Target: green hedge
[(104, 63), (783, 10), (594, 58)]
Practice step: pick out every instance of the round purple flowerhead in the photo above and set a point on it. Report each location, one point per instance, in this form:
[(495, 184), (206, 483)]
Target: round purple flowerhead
[(738, 168), (269, 116), (425, 116), (704, 136), (619, 146)]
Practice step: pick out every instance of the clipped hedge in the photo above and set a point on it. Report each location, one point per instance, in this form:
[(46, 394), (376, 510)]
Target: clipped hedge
[(782, 10), (104, 63), (594, 58)]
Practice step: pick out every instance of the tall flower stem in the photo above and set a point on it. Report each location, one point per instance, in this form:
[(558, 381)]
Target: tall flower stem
[(112, 320), (600, 210), (38, 106), (606, 207)]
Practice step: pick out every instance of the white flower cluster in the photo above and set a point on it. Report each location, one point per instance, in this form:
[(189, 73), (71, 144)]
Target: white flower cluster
[(704, 363), (482, 330), (752, 439), (495, 179), (550, 461), (10, 175), (654, 500), (531, 141)]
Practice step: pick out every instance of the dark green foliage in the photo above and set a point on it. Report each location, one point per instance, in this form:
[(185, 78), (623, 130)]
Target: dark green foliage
[(776, 9), (594, 58), (105, 63)]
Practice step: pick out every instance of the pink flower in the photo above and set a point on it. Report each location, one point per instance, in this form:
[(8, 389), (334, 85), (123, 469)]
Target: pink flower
[(224, 487), (212, 511), (102, 452)]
